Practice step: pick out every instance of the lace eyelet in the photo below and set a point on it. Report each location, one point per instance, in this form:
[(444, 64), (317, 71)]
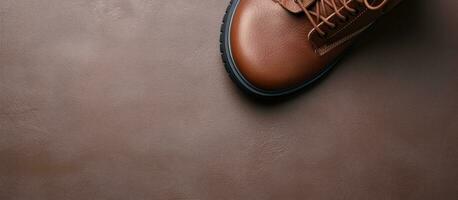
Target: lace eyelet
[(323, 36), (343, 20), (355, 11)]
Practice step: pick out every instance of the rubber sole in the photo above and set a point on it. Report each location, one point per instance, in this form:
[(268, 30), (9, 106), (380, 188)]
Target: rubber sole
[(234, 73)]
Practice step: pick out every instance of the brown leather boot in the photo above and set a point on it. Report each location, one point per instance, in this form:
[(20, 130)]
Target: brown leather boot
[(277, 47)]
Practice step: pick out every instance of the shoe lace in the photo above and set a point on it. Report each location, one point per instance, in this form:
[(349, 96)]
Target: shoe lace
[(317, 16)]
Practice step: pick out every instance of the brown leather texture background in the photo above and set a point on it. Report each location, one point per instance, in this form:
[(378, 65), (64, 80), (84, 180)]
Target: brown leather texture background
[(128, 99)]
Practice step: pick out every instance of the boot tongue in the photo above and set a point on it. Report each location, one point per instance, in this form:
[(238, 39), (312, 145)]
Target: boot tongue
[(292, 6)]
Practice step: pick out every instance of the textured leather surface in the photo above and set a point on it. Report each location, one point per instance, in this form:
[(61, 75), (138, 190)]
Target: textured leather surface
[(128, 99), (275, 50), (270, 46)]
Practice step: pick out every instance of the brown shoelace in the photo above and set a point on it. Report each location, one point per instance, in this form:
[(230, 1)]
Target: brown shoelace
[(321, 7)]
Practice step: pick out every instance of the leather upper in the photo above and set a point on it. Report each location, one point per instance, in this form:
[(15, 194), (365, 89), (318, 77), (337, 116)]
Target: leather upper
[(275, 46), (293, 6)]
